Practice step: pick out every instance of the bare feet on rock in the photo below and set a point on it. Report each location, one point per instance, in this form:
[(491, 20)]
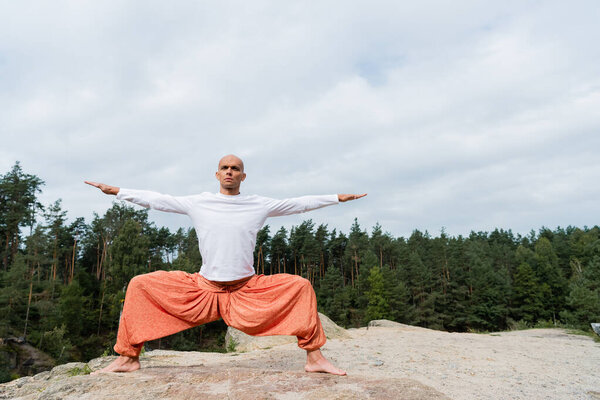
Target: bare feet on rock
[(121, 364), (316, 362)]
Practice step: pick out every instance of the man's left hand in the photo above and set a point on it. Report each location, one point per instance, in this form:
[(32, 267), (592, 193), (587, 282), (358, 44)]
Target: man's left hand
[(347, 197)]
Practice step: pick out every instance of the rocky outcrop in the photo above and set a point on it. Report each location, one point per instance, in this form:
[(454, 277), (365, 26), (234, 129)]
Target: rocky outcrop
[(161, 379), (236, 340), (384, 323), (383, 362), (277, 373), (22, 358)]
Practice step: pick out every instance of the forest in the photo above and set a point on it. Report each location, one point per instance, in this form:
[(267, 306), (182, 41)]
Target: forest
[(63, 281)]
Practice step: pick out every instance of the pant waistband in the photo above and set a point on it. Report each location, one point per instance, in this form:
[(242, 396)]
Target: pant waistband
[(222, 287)]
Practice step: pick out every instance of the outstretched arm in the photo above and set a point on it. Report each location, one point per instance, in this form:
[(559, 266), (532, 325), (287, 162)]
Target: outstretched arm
[(302, 204), (148, 199), (347, 197), (105, 188)]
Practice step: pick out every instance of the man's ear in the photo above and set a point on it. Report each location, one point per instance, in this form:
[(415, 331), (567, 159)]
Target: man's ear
[(243, 176), (217, 175)]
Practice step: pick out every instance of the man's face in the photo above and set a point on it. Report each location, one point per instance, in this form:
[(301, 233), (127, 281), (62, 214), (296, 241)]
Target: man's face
[(230, 173)]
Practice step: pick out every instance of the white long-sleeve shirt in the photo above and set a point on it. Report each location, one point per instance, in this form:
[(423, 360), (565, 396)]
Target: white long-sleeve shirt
[(226, 226)]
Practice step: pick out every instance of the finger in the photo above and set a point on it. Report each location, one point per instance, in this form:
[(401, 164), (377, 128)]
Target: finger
[(356, 196), (96, 184)]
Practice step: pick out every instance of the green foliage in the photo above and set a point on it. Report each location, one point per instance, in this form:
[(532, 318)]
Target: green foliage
[(5, 373), (583, 306), (186, 247), (518, 325), (489, 289), (396, 295), (18, 205), (130, 252), (548, 271), (13, 298), (85, 370), (378, 307), (54, 343), (231, 346), (528, 294), (72, 306), (333, 299), (583, 300)]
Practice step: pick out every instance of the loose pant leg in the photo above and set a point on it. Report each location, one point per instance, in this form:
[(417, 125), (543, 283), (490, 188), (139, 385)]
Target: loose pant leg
[(280, 304), (162, 303)]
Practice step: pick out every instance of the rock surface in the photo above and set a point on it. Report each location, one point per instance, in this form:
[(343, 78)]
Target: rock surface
[(239, 341), (384, 323), (206, 382), (383, 362)]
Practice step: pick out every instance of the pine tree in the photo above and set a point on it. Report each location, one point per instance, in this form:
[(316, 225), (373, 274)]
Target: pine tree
[(262, 249), (528, 295), (332, 297), (18, 205), (279, 251), (583, 301), (129, 254), (378, 306), (548, 271)]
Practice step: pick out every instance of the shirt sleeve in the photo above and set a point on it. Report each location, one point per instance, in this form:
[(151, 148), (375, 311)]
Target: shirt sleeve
[(299, 205), (156, 201)]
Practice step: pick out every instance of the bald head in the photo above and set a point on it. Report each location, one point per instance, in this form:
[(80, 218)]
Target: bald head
[(231, 159)]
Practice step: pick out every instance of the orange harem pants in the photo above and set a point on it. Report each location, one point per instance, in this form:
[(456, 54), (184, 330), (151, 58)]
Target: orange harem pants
[(162, 303)]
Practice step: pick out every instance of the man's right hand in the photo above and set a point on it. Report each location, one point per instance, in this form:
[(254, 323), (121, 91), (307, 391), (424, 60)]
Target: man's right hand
[(105, 188)]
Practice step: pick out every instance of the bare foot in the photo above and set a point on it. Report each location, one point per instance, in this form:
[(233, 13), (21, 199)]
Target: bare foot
[(121, 364), (316, 362)]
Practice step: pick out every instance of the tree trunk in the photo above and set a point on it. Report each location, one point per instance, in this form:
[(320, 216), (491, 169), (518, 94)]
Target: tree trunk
[(14, 247), (355, 266), (322, 266), (101, 304), (28, 305), (55, 258), (5, 258), (102, 258), (73, 262), (97, 272)]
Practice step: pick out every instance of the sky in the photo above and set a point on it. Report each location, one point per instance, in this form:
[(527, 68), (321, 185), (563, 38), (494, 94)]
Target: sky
[(457, 116)]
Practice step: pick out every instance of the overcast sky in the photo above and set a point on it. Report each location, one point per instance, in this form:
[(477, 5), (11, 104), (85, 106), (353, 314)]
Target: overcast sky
[(463, 115)]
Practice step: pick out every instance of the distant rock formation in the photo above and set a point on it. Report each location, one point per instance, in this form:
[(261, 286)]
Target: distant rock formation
[(384, 323), (596, 327), (23, 358)]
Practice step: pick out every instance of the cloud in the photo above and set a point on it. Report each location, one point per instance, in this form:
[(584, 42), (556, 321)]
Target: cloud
[(461, 115)]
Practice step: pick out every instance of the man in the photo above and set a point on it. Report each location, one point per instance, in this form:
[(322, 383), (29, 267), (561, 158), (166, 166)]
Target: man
[(162, 303)]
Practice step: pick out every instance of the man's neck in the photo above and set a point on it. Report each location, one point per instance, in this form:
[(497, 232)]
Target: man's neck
[(230, 192)]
